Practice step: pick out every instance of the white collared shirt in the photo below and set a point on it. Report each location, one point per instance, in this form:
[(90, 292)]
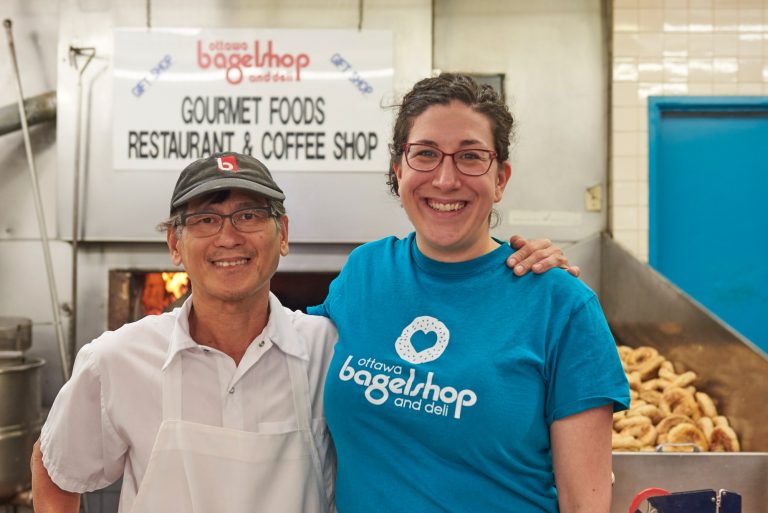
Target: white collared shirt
[(104, 421)]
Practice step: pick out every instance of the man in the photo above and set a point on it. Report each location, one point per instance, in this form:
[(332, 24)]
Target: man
[(218, 405)]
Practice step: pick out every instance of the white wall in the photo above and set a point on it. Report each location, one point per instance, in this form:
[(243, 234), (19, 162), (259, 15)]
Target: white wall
[(552, 53)]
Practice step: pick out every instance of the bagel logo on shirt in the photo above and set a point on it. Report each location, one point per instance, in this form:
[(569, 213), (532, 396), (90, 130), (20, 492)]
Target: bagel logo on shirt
[(426, 325), (410, 391)]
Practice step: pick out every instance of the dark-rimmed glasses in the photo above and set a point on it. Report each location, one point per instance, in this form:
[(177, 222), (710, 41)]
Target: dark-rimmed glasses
[(469, 161), (205, 224)]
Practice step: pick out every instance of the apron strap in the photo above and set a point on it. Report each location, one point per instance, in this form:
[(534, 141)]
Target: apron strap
[(172, 389), (303, 405)]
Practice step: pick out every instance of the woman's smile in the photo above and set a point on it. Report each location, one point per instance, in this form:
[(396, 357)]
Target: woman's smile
[(446, 206)]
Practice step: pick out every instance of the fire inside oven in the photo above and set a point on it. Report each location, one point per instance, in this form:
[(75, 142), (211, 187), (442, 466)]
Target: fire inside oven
[(134, 294)]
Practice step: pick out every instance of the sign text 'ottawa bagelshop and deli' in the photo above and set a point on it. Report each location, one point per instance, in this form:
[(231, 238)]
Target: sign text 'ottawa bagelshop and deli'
[(303, 106), (233, 57)]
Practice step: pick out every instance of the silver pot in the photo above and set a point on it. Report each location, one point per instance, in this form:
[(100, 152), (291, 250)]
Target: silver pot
[(20, 392), (15, 452), (20, 421)]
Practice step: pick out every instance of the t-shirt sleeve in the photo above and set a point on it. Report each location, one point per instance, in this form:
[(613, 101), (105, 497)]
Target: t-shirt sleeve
[(326, 308), (321, 309), (584, 370), (81, 449)]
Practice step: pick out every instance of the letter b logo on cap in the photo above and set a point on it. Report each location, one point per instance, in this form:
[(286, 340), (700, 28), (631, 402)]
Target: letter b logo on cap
[(227, 163)]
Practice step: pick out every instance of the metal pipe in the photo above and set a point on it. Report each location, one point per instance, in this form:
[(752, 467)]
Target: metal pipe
[(87, 121), (39, 208), (432, 37), (39, 109), (73, 54)]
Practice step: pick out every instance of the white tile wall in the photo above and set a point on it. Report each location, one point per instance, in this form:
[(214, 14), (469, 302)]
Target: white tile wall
[(673, 47)]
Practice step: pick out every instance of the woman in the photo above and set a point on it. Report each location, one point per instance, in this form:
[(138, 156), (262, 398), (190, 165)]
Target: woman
[(456, 385)]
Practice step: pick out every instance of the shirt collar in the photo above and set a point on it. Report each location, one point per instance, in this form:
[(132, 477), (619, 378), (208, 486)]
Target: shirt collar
[(180, 337), (279, 330)]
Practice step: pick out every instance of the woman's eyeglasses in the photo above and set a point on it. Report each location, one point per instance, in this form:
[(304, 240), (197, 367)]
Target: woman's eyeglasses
[(470, 161)]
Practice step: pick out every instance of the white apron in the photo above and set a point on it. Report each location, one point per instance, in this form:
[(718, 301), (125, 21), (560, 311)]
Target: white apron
[(196, 468)]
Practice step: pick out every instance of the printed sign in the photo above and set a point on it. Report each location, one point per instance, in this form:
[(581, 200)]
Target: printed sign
[(300, 100)]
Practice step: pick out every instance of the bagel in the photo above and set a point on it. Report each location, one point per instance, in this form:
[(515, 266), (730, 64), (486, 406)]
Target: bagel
[(648, 368), (634, 380), (649, 396), (706, 425), (667, 372), (641, 355), (624, 442), (671, 421), (684, 379), (706, 404), (687, 433), (625, 353), (659, 384), (723, 439), (648, 410), (676, 400), (721, 421), (628, 422), (644, 433), (645, 360)]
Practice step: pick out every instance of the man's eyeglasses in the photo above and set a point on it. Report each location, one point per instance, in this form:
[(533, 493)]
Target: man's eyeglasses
[(205, 224), (470, 161)]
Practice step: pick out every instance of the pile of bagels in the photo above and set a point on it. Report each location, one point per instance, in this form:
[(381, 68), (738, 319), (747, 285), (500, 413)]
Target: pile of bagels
[(666, 409)]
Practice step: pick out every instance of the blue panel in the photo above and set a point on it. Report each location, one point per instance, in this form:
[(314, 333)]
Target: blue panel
[(709, 208)]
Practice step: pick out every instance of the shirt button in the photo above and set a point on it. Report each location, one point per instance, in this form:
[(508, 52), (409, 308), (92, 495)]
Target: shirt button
[(261, 344), (206, 350), (232, 390)]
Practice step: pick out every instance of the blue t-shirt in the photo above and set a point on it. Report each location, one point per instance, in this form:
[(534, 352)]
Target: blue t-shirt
[(447, 376)]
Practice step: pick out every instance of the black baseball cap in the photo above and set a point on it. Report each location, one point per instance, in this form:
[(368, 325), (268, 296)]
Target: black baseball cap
[(223, 171)]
